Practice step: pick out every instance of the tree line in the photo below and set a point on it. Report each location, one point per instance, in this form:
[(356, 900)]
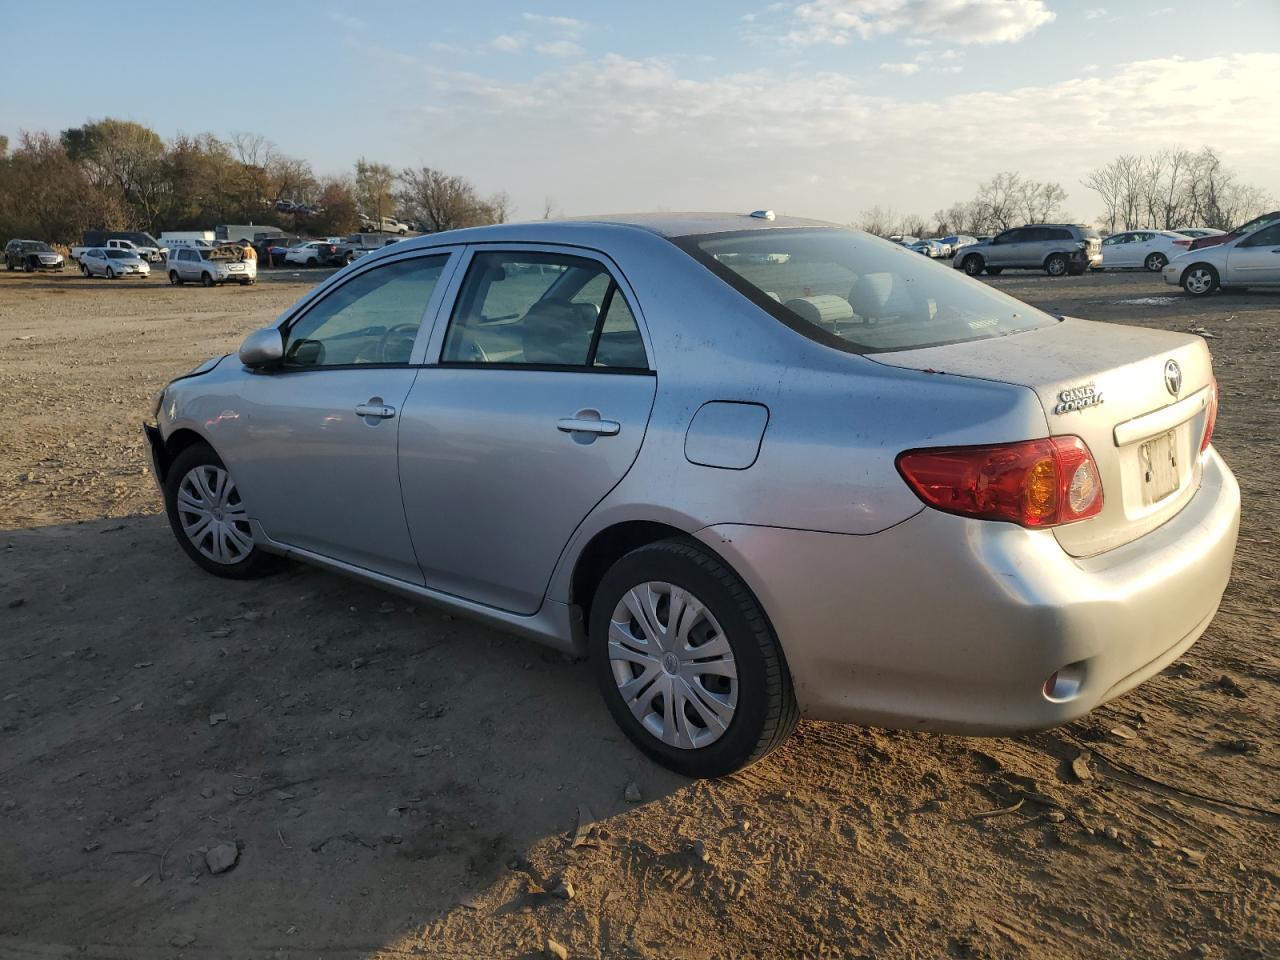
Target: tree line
[(120, 175), (1161, 191)]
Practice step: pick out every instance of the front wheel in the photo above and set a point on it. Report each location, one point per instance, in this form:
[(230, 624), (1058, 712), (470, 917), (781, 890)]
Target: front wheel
[(972, 264), (85, 271), (1056, 265), (111, 274), (1200, 280), (1155, 262), (209, 518), (206, 280), (687, 662), (174, 279)]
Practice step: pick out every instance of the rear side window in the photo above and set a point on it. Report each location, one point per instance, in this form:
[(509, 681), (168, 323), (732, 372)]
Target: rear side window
[(542, 309), (858, 293), (1057, 233)]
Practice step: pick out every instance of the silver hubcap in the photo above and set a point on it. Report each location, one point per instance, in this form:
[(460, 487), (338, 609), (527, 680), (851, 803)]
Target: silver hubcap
[(1057, 267), (673, 665), (1198, 281), (212, 515)]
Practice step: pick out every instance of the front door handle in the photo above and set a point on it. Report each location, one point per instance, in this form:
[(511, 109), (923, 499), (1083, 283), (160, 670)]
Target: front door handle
[(375, 409), (605, 428)]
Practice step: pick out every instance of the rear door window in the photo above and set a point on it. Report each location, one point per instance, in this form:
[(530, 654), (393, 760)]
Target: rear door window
[(544, 310)]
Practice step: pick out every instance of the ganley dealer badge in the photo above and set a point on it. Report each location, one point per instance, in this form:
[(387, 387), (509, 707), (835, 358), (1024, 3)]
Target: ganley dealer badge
[(1077, 398)]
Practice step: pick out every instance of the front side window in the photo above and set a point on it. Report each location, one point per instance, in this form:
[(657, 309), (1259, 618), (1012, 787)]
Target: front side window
[(858, 293), (542, 309), (1269, 236), (372, 318)]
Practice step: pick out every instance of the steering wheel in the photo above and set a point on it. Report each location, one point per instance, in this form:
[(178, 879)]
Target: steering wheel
[(396, 336)]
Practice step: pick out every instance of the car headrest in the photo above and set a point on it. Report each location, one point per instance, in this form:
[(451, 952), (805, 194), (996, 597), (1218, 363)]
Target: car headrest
[(558, 331)]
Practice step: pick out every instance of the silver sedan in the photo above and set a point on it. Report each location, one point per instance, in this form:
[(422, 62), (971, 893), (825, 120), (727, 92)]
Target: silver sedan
[(755, 468)]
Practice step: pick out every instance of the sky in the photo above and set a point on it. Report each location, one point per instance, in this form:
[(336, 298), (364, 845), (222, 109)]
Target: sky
[(817, 108)]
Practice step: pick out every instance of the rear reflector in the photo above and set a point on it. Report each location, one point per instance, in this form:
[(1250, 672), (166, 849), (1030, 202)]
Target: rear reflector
[(1033, 483), (1211, 418)]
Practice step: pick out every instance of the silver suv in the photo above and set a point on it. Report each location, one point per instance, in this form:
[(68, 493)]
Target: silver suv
[(1055, 248)]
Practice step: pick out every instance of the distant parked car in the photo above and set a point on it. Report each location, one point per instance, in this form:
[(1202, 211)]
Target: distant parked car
[(1200, 243), (31, 255), (267, 247), (1055, 248), (1252, 260), (311, 253), (957, 240), (930, 248), (223, 263), (112, 262), (1149, 249)]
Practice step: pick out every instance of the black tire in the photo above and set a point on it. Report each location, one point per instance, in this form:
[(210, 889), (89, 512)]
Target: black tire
[(1055, 265), (994, 271), (245, 283), (1155, 262), (1200, 280), (174, 279), (311, 261), (111, 273), (29, 266), (8, 264), (766, 711), (257, 563), (206, 280), (972, 264), (85, 271)]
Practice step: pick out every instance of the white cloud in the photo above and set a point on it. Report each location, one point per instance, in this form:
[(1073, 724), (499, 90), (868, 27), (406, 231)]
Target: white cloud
[(569, 25), (819, 143), (560, 48), (1095, 13), (957, 21), (507, 43), (906, 69)]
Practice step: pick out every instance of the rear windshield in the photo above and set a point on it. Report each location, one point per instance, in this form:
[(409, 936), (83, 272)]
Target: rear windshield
[(856, 292)]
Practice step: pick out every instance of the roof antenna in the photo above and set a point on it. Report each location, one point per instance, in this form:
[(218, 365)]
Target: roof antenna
[(762, 214)]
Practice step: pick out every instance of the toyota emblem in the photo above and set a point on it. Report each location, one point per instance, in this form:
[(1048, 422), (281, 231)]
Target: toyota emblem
[(1173, 377)]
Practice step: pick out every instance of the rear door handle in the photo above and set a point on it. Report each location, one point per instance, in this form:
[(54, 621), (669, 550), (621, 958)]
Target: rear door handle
[(605, 428), (375, 409)]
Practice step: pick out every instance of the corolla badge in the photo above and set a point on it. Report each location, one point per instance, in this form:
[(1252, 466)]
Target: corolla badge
[(1077, 398), (1173, 377)]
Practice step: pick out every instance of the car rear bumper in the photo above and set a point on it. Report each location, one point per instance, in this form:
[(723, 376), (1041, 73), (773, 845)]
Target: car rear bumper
[(952, 624)]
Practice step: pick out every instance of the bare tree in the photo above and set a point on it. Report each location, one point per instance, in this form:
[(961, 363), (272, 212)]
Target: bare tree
[(374, 183), (1001, 199), (445, 202), (878, 221), (549, 211), (252, 149)]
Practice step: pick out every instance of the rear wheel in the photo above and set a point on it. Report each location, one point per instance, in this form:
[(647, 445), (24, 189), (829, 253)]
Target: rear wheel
[(1200, 280), (174, 278), (206, 280), (1155, 262), (687, 662), (1056, 265), (972, 264), (311, 261), (209, 518)]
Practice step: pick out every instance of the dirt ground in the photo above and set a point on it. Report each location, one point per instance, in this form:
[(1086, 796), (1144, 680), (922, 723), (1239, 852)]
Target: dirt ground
[(396, 783)]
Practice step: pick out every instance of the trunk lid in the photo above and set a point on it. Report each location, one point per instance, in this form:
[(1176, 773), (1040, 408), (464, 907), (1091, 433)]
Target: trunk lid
[(1105, 383)]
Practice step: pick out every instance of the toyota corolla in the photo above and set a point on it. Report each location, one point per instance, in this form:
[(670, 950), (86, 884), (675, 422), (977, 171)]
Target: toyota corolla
[(754, 468)]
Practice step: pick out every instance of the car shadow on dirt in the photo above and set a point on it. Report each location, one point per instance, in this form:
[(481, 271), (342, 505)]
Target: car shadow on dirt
[(375, 763)]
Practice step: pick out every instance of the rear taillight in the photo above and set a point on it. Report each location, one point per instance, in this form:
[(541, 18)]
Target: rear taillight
[(1034, 483), (1182, 243), (1212, 417)]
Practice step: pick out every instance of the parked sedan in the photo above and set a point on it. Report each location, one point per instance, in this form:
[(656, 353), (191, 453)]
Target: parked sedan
[(720, 456), (1213, 239), (1142, 249), (311, 253), (957, 240), (1252, 260), (930, 248), (112, 263)]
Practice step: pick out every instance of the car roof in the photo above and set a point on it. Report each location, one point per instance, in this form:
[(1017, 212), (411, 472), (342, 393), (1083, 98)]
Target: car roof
[(594, 228)]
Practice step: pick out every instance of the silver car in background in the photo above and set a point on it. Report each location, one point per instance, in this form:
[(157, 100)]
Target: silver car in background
[(112, 263), (1056, 248), (754, 468), (1252, 260)]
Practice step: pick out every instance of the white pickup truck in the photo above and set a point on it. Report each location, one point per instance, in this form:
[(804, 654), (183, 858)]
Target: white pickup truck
[(135, 241)]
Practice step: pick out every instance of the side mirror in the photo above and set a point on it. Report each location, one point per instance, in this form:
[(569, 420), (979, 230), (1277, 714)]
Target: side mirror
[(262, 348)]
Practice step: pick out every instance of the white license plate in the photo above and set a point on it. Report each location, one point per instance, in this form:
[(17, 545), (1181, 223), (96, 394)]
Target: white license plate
[(1158, 460)]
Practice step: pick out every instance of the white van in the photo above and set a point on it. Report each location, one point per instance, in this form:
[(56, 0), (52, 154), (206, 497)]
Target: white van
[(183, 238)]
